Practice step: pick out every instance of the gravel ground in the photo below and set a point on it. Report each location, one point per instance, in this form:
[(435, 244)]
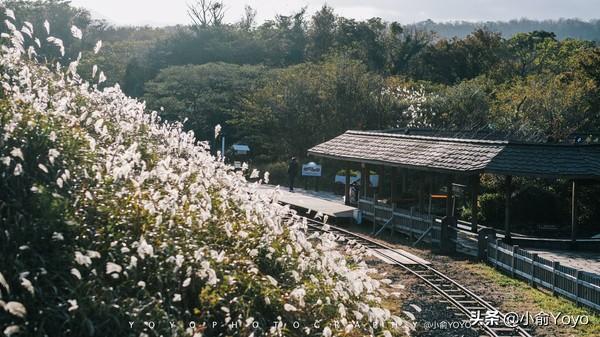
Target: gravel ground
[(432, 313)]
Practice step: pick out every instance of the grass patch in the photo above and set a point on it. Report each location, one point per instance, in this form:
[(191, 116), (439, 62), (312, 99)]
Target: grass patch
[(540, 299)]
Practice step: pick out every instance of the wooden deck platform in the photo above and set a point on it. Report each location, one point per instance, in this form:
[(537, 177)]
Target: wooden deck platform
[(399, 255), (327, 203)]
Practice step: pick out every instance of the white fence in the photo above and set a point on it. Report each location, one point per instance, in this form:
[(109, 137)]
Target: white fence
[(579, 286), (409, 222)]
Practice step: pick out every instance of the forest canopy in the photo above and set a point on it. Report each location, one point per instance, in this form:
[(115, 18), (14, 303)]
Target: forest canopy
[(295, 80)]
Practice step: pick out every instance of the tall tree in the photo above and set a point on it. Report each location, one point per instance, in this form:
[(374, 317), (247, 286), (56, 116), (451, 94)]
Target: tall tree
[(321, 32)]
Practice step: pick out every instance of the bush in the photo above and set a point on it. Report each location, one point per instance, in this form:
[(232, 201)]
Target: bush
[(110, 217)]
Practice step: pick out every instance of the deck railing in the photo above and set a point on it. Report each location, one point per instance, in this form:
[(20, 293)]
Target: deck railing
[(409, 222), (577, 285)]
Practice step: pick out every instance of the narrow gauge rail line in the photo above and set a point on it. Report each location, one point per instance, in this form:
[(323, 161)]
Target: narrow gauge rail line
[(467, 302)]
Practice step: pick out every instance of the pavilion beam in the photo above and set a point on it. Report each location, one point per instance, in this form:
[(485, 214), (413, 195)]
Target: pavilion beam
[(574, 224), (507, 197), (475, 186)]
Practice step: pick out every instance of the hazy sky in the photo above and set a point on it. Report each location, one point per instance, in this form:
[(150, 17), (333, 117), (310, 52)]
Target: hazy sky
[(168, 12)]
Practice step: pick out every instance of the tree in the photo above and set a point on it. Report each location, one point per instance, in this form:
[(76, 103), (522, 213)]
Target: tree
[(545, 106), (451, 61), (205, 95), (248, 21), (321, 33), (205, 13), (284, 39), (302, 105)]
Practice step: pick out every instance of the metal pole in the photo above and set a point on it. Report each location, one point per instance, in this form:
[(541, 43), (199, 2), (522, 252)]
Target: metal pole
[(223, 148)]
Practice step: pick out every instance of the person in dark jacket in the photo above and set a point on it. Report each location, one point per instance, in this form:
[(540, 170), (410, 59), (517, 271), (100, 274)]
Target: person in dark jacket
[(292, 171)]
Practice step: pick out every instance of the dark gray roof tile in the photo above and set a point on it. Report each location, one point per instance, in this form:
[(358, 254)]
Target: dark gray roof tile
[(463, 155)]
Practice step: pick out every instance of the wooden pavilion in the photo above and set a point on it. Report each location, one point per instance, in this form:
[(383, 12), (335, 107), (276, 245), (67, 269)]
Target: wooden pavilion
[(453, 159)]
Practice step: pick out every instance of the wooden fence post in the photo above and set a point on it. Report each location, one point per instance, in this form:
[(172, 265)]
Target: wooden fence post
[(555, 265), (374, 213), (577, 288), (392, 222), (411, 223), (533, 262), (484, 236), (513, 261), (496, 261), (431, 235)]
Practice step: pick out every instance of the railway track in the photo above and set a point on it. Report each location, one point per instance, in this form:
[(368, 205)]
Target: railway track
[(467, 304)]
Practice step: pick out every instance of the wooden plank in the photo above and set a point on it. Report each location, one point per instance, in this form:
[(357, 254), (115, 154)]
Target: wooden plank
[(318, 202), (402, 256)]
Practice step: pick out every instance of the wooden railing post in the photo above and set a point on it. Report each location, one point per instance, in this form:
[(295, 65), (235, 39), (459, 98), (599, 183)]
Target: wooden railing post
[(392, 222), (555, 265), (577, 292), (496, 261), (513, 261), (484, 236), (374, 213), (431, 235), (411, 223), (534, 257)]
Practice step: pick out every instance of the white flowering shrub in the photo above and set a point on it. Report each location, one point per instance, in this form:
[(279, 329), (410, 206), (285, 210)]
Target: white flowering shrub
[(415, 106), (115, 223)]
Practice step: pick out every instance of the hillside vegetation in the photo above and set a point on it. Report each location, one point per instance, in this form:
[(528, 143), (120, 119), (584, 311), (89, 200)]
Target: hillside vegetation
[(113, 222)]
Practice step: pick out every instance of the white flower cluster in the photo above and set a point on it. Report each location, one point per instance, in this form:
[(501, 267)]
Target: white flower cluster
[(415, 105), (166, 212)]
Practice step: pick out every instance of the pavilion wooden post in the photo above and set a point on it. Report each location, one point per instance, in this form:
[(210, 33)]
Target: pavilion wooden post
[(430, 182), (507, 197), (347, 187), (363, 180), (380, 174), (368, 181), (393, 185), (449, 197), (474, 204), (574, 225), (420, 193)]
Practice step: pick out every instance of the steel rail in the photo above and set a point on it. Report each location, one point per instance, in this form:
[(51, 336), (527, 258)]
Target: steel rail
[(441, 283)]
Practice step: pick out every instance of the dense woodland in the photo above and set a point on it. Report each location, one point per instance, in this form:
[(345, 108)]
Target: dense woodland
[(291, 82), (563, 28)]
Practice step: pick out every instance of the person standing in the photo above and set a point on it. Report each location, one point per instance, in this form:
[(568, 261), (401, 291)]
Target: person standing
[(292, 171)]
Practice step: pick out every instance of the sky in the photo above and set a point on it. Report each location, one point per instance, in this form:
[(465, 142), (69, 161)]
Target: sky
[(171, 12)]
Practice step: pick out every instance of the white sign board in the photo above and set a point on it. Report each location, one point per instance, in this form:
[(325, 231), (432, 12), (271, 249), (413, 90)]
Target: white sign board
[(311, 170)]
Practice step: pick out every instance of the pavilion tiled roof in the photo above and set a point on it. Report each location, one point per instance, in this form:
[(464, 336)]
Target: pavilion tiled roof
[(463, 156)]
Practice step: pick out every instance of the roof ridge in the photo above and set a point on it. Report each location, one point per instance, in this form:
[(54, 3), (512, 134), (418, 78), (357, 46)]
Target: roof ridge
[(447, 139), (468, 140)]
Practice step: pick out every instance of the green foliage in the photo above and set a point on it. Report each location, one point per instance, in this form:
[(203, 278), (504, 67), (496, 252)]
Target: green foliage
[(545, 106), (451, 61), (206, 95), (61, 16), (303, 105)]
